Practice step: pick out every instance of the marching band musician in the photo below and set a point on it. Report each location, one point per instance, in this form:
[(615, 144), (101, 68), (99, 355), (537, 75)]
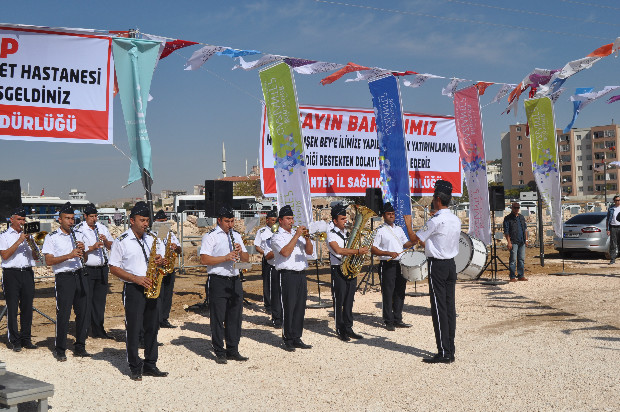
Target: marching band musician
[(97, 237), (261, 241), (18, 281), (129, 261), (220, 249), (440, 236), (343, 289), (389, 243), (64, 251), (290, 249), (167, 285)]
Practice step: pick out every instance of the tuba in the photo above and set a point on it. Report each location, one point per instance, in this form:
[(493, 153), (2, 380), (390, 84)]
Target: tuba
[(359, 237), (153, 272)]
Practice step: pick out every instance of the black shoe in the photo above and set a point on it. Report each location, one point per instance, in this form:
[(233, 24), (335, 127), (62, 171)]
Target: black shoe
[(15, 347), (221, 360), (301, 345), (105, 335), (402, 325), (81, 354), (148, 371), (612, 261), (136, 376), (438, 359), (390, 327), (354, 335), (276, 325), (289, 347), (29, 345), (343, 336), (60, 356), (160, 343), (236, 357), (166, 324)]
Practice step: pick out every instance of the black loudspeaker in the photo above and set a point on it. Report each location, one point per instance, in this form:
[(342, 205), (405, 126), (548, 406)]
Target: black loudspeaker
[(10, 197), (374, 200), (496, 198), (218, 193)]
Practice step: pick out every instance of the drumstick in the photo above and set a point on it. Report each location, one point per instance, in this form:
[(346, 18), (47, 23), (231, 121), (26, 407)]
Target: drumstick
[(411, 248)]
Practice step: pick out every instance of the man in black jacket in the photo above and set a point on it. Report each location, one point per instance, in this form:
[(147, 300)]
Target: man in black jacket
[(515, 231)]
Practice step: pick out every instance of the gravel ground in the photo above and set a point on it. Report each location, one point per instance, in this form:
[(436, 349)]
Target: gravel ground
[(549, 344)]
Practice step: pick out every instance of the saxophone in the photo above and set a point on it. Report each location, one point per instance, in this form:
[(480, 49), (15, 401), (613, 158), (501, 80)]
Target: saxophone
[(153, 272), (359, 237), (170, 255)]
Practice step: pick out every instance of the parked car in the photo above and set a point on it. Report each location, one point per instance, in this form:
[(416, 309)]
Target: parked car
[(585, 232)]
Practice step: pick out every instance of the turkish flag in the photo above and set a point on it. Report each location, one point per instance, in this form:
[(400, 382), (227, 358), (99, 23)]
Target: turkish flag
[(174, 45)]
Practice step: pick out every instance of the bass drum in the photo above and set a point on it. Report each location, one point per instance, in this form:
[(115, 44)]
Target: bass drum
[(413, 266), (471, 257)]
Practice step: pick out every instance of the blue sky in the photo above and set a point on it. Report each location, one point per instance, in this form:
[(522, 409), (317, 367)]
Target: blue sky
[(194, 111)]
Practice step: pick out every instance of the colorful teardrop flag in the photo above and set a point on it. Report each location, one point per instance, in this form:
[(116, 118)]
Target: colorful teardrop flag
[(349, 68)]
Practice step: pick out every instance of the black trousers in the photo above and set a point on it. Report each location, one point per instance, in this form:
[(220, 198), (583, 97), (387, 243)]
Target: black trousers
[(71, 291), (167, 290), (141, 313), (18, 287), (614, 235), (97, 293), (276, 296), (225, 307), (343, 294), (266, 272), (442, 285), (393, 286), (294, 295)]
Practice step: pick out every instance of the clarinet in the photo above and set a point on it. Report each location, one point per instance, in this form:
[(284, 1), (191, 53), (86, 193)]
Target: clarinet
[(105, 253), (237, 259), (72, 233)]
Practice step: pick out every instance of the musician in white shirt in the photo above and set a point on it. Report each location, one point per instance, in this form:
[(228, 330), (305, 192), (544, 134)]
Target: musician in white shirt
[(389, 243), (220, 249), (290, 248)]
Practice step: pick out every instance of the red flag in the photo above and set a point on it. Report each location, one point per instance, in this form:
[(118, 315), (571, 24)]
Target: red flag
[(407, 73), (482, 87), (350, 67), (515, 93), (42, 192), (174, 45)]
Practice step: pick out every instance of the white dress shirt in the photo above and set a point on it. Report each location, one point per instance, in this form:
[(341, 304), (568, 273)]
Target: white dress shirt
[(441, 235), (59, 243), (261, 235), (390, 239), (132, 254), (94, 258), (332, 236), (297, 260), (22, 257), (217, 243)]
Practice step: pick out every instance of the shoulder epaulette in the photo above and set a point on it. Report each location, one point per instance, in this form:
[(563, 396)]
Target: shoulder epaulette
[(123, 236), (54, 232), (212, 230)]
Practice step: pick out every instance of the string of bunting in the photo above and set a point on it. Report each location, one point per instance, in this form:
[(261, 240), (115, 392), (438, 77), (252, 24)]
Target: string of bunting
[(540, 82)]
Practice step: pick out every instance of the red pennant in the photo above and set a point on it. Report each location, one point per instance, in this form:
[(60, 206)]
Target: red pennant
[(42, 192), (407, 73), (350, 67), (173, 45), (515, 93), (118, 33), (482, 87), (532, 92), (602, 51)]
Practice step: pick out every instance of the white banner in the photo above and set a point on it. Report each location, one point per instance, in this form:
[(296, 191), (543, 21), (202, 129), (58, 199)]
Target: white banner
[(55, 86), (342, 152)]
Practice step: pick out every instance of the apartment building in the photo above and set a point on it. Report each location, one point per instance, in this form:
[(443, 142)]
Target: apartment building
[(583, 154)]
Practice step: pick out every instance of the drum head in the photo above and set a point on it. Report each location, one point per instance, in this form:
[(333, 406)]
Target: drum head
[(413, 259), (463, 258)]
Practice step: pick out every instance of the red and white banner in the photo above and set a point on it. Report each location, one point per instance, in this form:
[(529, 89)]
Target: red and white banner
[(55, 86), (342, 152)]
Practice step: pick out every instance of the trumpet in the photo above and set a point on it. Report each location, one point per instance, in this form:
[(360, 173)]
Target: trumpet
[(34, 242), (320, 236)]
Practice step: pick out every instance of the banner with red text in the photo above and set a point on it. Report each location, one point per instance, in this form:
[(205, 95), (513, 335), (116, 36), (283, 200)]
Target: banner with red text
[(55, 86), (342, 152), (471, 142)]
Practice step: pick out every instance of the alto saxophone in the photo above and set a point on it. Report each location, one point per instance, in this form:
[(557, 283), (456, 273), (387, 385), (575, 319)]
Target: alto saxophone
[(153, 272), (359, 237), (170, 255)]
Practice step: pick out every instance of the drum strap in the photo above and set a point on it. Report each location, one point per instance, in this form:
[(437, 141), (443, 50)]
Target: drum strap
[(345, 243), (393, 234)]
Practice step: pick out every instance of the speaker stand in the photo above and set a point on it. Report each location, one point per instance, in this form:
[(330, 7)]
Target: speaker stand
[(562, 273), (494, 281), (3, 313), (320, 304)]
